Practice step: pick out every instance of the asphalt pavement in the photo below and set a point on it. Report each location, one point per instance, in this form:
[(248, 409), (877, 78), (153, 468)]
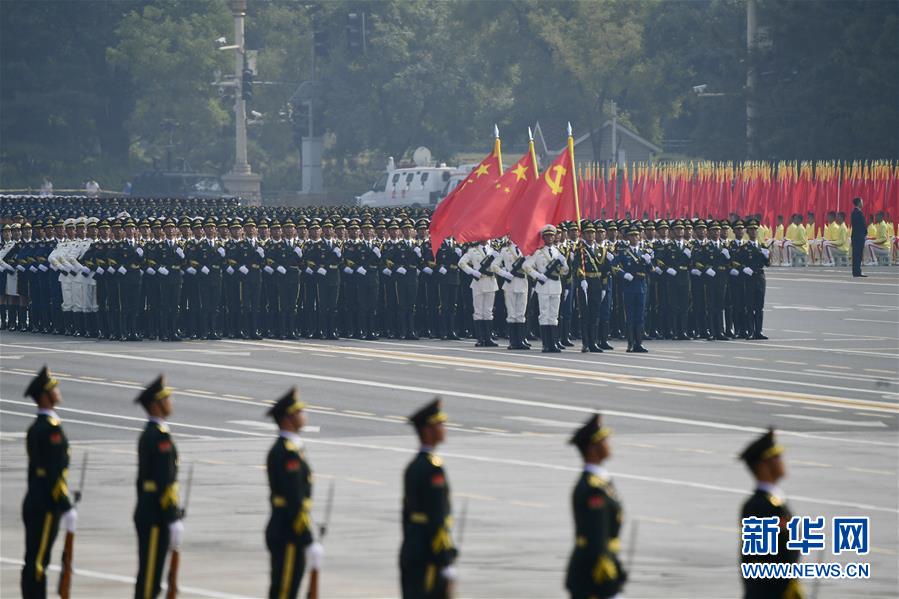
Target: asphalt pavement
[(827, 379)]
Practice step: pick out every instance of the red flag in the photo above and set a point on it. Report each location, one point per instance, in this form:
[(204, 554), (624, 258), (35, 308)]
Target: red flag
[(550, 200), (459, 200), (488, 216)]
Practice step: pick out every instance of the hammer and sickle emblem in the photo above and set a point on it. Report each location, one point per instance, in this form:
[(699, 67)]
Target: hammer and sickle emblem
[(555, 183)]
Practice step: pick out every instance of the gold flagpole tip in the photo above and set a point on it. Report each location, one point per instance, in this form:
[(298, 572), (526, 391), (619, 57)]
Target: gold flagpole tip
[(530, 135), (496, 131), (569, 129)]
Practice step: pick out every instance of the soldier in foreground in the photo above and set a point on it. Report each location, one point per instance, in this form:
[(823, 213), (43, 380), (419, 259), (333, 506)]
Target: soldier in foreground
[(288, 535), (427, 553), (47, 499), (158, 515), (763, 458), (594, 569)]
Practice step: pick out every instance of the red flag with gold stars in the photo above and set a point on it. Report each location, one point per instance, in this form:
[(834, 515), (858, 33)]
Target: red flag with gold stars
[(488, 217), (483, 177)]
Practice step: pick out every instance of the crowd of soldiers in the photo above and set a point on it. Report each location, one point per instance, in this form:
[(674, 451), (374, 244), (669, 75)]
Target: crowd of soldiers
[(147, 269), (427, 552)]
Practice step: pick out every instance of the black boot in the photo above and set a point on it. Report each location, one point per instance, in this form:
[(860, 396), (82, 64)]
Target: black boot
[(586, 341), (564, 326), (638, 342), (24, 321), (555, 346), (11, 316), (594, 338), (604, 336), (630, 339), (544, 337)]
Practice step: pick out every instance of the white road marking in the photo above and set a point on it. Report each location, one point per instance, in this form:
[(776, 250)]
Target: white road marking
[(678, 393), (792, 363), (722, 398), (879, 371), (771, 403), (814, 409), (365, 481), (871, 471), (872, 320), (545, 422), (509, 374), (357, 358), (591, 383), (822, 420), (270, 426)]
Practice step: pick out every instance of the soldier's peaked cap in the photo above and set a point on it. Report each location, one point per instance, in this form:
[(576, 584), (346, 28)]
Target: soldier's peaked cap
[(40, 384), (591, 432), (431, 413), (155, 391), (288, 404), (762, 448)]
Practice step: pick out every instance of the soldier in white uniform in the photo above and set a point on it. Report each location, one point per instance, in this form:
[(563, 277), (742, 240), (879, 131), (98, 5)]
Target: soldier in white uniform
[(547, 265), (510, 266), (59, 261), (477, 262)]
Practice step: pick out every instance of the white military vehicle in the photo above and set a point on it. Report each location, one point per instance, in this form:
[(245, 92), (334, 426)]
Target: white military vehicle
[(417, 186)]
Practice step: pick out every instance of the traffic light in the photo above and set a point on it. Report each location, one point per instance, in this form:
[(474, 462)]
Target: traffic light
[(246, 89), (355, 32)]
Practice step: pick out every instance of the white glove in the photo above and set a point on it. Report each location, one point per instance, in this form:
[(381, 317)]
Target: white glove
[(428, 270), (603, 296), (584, 286), (139, 251), (337, 251), (506, 274), (671, 271), (84, 270), (688, 253), (42, 268), (386, 272), (647, 258), (726, 253), (565, 294), (191, 270), (628, 277), (33, 269), (321, 270), (180, 252), (282, 270), (268, 270), (361, 270), (561, 258), (20, 268), (150, 270), (766, 252), (541, 277), (459, 252), (221, 251), (476, 274), (747, 270), (315, 555), (70, 520), (243, 269), (376, 251), (348, 270), (657, 270), (122, 270), (401, 270), (610, 257), (163, 271), (205, 270), (298, 251), (449, 574), (417, 251), (176, 533), (261, 252), (734, 272), (710, 272), (110, 269), (230, 270), (442, 270), (695, 272), (309, 270)]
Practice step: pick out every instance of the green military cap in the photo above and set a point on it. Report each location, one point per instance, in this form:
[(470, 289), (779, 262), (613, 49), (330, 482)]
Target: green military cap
[(354, 223), (40, 384), (763, 448), (407, 223), (288, 404), (587, 225), (548, 230), (249, 223), (591, 432), (611, 225), (367, 224), (632, 230), (700, 224), (302, 223), (155, 391), (26, 225), (713, 224), (104, 224), (275, 225), (115, 223), (315, 223), (61, 222), (648, 224), (688, 224), (288, 222), (752, 224), (263, 223), (197, 224), (678, 223), (431, 413), (661, 224), (156, 224), (326, 223), (235, 223), (37, 223), (382, 223), (738, 224), (184, 222), (210, 221), (49, 224), (169, 223), (422, 223), (144, 222), (392, 224), (339, 223)]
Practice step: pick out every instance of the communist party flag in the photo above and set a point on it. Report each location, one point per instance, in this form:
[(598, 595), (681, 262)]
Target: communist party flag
[(461, 198), (488, 217), (550, 200)]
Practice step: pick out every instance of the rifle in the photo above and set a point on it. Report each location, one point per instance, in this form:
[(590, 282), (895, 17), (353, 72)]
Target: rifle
[(484, 268), (517, 270), (65, 575), (552, 270), (175, 561), (312, 592)]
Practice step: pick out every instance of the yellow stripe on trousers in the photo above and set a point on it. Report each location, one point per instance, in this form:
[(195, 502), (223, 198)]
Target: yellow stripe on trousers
[(287, 570), (42, 549), (150, 572)]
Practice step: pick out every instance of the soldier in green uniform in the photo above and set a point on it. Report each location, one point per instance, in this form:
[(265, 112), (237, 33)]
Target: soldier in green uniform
[(763, 458), (157, 517), (427, 553), (288, 535), (47, 499), (594, 569)]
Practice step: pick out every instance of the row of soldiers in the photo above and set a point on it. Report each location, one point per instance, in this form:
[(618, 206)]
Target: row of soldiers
[(427, 552), (333, 277)]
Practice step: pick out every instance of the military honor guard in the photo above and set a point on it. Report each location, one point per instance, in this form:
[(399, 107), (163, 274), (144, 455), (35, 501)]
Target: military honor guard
[(634, 265), (289, 535), (754, 257), (547, 266), (594, 570), (764, 459), (158, 515), (477, 263), (427, 553), (47, 501), (510, 267)]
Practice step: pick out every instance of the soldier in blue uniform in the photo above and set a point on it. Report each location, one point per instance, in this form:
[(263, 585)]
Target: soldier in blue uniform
[(634, 265)]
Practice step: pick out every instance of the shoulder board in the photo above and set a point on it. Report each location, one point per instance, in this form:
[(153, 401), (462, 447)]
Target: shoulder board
[(595, 481), (773, 500), (435, 460), (162, 428), (289, 446), (52, 421)]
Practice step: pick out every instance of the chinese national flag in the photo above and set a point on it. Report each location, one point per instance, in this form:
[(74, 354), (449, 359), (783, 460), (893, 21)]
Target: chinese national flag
[(488, 217), (464, 195), (550, 200)]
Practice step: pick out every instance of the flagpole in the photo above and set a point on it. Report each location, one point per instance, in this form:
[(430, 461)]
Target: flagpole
[(577, 212), (498, 150)]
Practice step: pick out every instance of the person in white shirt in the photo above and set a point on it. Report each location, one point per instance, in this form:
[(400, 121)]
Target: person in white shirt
[(510, 266), (545, 266), (477, 263)]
